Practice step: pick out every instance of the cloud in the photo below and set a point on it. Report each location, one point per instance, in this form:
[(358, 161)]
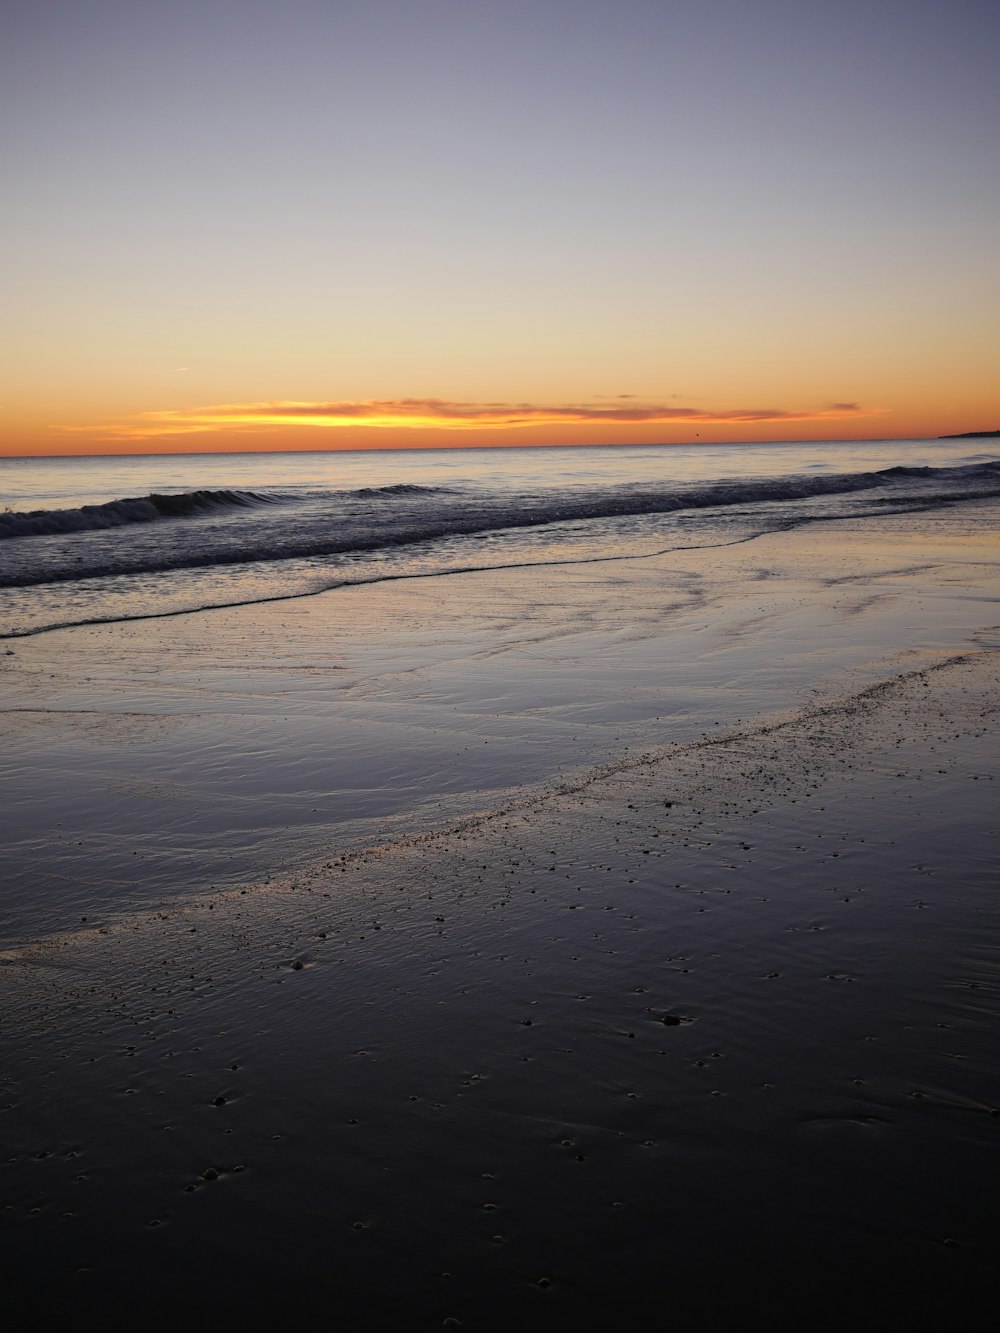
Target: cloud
[(447, 414)]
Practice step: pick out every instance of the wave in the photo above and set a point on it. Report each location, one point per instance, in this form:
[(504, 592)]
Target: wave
[(119, 513), (401, 488), (339, 529)]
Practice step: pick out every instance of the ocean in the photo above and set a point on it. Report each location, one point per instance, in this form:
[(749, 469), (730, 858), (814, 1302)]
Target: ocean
[(104, 539), (217, 667)]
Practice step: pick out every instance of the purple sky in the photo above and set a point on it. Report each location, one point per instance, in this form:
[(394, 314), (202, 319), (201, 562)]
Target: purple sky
[(720, 204)]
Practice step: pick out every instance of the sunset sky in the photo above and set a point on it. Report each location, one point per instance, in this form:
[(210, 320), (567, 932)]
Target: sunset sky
[(244, 224)]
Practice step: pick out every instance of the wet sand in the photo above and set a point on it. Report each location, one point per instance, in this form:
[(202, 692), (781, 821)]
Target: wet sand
[(164, 757), (713, 1027)]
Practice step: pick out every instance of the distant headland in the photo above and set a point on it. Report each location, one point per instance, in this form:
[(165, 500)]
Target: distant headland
[(972, 435)]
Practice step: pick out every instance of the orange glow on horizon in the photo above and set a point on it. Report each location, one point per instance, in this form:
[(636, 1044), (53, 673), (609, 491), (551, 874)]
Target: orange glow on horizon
[(435, 414), (304, 425)]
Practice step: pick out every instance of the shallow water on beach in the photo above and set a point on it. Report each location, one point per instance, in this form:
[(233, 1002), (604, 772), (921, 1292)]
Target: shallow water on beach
[(105, 539), (161, 757), (455, 624)]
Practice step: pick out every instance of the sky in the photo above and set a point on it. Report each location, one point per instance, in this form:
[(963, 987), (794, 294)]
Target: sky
[(320, 224)]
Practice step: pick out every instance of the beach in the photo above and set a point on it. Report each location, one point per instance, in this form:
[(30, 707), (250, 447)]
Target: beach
[(644, 949), (499, 667)]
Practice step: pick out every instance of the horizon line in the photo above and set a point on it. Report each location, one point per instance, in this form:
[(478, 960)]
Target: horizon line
[(459, 448)]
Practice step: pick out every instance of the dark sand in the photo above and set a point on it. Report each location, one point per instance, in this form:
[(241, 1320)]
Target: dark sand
[(712, 1029)]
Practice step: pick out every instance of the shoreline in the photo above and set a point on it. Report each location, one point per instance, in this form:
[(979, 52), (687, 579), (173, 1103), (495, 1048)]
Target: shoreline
[(147, 763), (590, 1049)]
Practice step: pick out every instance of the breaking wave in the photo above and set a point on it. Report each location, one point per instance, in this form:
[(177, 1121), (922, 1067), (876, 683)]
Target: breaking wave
[(401, 488), (373, 524), (119, 513)]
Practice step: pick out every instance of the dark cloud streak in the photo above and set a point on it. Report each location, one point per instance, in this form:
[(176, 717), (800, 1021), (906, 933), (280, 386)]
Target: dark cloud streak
[(447, 414), (429, 411)]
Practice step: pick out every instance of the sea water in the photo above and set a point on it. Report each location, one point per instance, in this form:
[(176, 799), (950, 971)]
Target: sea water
[(94, 539), (369, 680)]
